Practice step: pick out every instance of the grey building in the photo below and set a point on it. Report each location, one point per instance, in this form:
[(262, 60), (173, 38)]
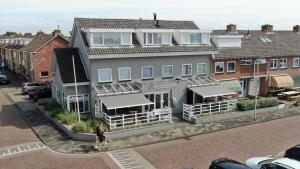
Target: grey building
[(139, 71)]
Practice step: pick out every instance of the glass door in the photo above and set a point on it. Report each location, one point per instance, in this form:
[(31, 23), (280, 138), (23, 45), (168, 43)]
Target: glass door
[(242, 92)]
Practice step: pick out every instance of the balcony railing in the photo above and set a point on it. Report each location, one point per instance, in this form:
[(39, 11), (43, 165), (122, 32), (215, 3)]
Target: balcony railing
[(135, 120)]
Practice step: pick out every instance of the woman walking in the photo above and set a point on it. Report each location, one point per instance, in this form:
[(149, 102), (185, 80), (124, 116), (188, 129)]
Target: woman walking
[(100, 134)]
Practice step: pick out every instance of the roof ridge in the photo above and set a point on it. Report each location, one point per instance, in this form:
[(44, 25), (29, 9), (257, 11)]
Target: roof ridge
[(129, 19)]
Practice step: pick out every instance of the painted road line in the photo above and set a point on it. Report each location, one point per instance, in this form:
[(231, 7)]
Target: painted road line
[(21, 148)]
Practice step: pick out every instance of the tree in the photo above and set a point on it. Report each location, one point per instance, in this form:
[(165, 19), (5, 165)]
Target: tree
[(11, 33)]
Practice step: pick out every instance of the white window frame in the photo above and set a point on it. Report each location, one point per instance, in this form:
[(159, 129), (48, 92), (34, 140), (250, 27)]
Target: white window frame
[(198, 68), (246, 60), (119, 69), (216, 63), (297, 66), (103, 44), (277, 64), (286, 65), (162, 72), (143, 67), (189, 39), (182, 73), (81, 97), (231, 71), (98, 70), (152, 40)]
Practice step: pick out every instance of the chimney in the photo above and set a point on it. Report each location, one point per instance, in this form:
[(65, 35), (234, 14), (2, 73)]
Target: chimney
[(56, 32), (267, 28), (154, 16), (231, 28), (296, 28)]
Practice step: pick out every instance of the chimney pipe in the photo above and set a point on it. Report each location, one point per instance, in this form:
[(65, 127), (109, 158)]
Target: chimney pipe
[(154, 16), (296, 29), (267, 28), (231, 28)]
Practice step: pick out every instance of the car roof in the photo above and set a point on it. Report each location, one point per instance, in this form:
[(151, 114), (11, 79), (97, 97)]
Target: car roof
[(287, 162), (230, 165)]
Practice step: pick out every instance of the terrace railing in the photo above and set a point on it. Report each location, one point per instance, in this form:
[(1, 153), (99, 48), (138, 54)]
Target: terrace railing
[(207, 109), (135, 120)]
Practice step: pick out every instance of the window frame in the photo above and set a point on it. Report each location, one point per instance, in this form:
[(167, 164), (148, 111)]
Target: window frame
[(184, 75), (296, 58), (187, 34), (286, 64), (231, 71), (119, 69), (144, 78), (99, 77), (273, 68), (103, 44), (44, 76), (146, 35), (204, 69), (162, 71), (216, 63)]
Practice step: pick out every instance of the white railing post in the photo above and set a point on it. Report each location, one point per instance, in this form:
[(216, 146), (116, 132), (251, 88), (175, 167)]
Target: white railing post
[(123, 121), (136, 118), (200, 108), (110, 122), (159, 116), (219, 106), (148, 117), (209, 108), (228, 104), (170, 115)]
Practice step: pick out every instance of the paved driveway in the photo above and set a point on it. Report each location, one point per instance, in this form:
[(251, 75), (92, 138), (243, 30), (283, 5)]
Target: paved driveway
[(239, 143)]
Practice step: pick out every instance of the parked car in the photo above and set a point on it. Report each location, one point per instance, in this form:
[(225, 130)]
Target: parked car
[(28, 86), (39, 92), (225, 163), (3, 79), (293, 153), (269, 163)]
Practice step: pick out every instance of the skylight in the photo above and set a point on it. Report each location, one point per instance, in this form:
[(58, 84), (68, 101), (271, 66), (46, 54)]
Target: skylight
[(266, 39)]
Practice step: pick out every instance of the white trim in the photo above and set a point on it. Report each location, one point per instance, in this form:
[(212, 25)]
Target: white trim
[(216, 67), (94, 45), (134, 105), (296, 58), (78, 84), (143, 72), (98, 71), (138, 55), (182, 74), (286, 64), (91, 30), (231, 71), (198, 68), (277, 64), (162, 71), (129, 73), (227, 36)]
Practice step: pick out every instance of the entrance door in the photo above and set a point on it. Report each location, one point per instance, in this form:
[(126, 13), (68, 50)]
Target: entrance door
[(243, 87), (161, 100)]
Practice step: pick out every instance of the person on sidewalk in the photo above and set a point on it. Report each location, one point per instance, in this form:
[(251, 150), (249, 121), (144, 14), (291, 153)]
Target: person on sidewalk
[(100, 130)]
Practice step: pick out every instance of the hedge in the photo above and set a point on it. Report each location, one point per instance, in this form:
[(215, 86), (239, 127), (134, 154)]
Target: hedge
[(65, 117), (245, 105)]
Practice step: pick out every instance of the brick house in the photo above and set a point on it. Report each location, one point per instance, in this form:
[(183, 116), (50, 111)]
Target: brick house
[(275, 54), (37, 55)]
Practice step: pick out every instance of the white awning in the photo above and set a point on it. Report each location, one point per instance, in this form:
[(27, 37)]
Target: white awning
[(212, 91), (125, 101)]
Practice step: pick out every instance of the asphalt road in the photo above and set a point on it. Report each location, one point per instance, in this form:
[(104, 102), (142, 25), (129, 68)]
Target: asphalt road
[(240, 143)]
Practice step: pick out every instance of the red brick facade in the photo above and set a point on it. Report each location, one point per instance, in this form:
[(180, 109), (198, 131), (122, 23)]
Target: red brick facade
[(43, 58)]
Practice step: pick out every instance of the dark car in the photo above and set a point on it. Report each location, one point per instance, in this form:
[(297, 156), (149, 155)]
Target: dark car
[(40, 92), (293, 153), (225, 163), (3, 79)]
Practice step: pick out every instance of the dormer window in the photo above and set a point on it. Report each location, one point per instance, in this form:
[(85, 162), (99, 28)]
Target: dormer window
[(111, 38), (191, 38), (157, 38)]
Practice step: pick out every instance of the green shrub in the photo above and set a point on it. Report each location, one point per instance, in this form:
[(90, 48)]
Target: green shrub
[(245, 105), (51, 106), (80, 127), (65, 117)]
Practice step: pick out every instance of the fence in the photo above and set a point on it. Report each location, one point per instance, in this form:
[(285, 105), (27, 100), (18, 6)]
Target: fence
[(137, 119), (207, 109)]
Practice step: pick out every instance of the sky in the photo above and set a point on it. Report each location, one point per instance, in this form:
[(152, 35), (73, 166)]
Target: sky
[(35, 15)]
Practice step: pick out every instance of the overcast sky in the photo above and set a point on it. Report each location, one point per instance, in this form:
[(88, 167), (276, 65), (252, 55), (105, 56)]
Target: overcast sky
[(34, 15)]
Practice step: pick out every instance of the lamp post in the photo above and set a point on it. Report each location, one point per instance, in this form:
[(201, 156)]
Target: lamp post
[(75, 81), (256, 76)]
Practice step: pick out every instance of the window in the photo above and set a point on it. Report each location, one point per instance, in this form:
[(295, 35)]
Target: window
[(283, 63), (246, 62), (201, 68), (167, 71), (205, 38), (274, 64), (97, 38), (219, 67), (124, 73), (296, 62), (83, 101), (147, 72), (112, 38), (187, 70), (191, 38), (153, 38), (104, 75), (45, 74), (231, 66)]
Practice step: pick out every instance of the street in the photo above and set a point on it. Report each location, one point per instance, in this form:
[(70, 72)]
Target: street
[(239, 143)]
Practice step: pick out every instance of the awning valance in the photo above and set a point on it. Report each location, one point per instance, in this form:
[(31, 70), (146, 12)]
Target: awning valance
[(212, 91), (233, 85), (296, 81), (282, 81), (124, 101)]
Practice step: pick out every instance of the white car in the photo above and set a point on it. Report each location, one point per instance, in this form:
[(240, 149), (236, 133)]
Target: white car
[(270, 163)]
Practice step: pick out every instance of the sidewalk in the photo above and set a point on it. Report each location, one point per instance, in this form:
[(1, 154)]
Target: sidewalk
[(58, 141)]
